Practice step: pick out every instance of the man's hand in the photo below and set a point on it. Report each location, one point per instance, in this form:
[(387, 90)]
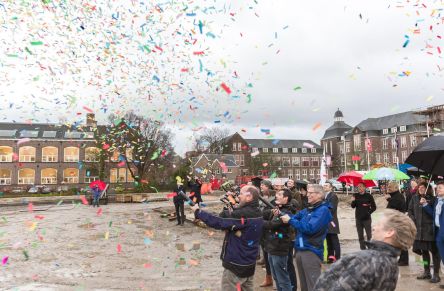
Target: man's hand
[(423, 201), (285, 218), (275, 211), (194, 207)]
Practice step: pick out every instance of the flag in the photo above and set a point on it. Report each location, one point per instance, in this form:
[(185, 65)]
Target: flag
[(368, 144), (323, 171)]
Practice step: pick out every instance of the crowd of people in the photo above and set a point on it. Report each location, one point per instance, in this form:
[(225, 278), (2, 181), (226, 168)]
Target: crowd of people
[(283, 228)]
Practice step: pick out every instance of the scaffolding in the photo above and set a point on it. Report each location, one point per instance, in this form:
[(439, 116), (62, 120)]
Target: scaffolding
[(434, 118)]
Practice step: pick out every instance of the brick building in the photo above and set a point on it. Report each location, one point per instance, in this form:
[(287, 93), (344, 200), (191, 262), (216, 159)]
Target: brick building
[(386, 140), (297, 159), (220, 166), (53, 155)]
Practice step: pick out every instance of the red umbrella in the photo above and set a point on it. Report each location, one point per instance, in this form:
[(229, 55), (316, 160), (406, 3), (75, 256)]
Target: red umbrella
[(355, 178), (99, 184)]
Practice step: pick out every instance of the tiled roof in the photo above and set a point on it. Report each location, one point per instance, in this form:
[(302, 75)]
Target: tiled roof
[(280, 143), (389, 121), (47, 131)]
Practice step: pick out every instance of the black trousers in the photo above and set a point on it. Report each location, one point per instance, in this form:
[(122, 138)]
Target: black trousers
[(291, 269), (333, 246), (436, 260), (267, 263), (360, 226), (404, 257), (180, 212)]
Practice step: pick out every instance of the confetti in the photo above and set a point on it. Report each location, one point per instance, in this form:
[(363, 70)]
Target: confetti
[(5, 260), (226, 88), (119, 248)]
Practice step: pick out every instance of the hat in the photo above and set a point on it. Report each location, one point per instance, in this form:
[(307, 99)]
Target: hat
[(266, 183)]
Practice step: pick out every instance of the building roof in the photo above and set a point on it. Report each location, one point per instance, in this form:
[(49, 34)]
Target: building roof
[(389, 121), (338, 113), (339, 128), (281, 143), (229, 160)]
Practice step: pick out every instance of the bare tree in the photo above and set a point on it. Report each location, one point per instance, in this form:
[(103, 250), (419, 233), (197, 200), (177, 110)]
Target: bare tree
[(144, 145), (212, 140)]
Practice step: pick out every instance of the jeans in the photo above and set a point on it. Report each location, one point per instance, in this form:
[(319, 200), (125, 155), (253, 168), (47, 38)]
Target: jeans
[(267, 263), (291, 269), (230, 282), (279, 270), (360, 226), (96, 201)]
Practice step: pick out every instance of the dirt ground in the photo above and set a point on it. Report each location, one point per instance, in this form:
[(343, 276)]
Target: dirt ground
[(128, 247)]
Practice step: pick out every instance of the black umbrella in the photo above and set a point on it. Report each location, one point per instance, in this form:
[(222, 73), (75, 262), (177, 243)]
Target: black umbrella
[(414, 171), (429, 155)]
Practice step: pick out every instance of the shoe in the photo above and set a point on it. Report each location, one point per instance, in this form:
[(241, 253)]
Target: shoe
[(267, 282), (402, 264), (435, 279), (424, 276)]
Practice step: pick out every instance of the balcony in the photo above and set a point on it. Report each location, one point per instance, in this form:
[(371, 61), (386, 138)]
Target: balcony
[(27, 158), (69, 158), (5, 181), (49, 158), (5, 158)]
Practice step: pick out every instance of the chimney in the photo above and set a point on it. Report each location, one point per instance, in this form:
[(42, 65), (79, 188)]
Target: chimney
[(91, 119)]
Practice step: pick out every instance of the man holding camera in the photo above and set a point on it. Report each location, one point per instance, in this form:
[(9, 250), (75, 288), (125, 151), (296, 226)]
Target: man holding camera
[(243, 227)]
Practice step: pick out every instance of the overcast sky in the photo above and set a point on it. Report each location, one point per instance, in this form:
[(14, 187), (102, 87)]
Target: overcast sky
[(101, 57)]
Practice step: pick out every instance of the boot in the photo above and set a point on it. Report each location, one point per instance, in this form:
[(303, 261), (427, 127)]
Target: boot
[(267, 282), (425, 275), (435, 279)]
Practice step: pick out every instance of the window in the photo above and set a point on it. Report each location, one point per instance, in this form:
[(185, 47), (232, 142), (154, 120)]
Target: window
[(241, 160), (378, 158), (239, 146), (265, 150), (296, 161), (285, 150), (49, 176), (49, 134), (384, 144), (234, 146), (290, 174), (403, 156), (294, 150), (347, 147), (413, 140), (89, 179), (5, 154), (29, 133), (313, 150), (286, 162), (394, 129), (403, 128), (230, 170), (254, 150), (315, 161), (297, 174), (8, 133), (403, 141), (73, 134), (304, 173), (71, 176), (341, 149), (393, 143), (304, 150), (27, 154), (115, 156), (342, 160), (217, 171), (50, 154), (305, 162), (26, 176), (318, 174), (312, 173), (394, 157), (386, 158), (357, 142), (92, 154), (277, 161), (275, 150), (5, 177), (120, 175), (385, 131), (71, 154)]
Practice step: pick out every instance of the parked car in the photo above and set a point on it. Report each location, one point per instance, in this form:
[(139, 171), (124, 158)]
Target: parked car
[(337, 186), (39, 189)]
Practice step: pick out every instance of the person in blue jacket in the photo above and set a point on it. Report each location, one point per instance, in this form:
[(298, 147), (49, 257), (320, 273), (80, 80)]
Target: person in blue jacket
[(96, 195), (311, 226), (437, 212), (243, 230)]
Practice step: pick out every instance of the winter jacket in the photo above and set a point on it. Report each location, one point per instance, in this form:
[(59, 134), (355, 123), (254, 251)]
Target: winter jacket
[(96, 193), (397, 202), (424, 222), (178, 198), (333, 200), (296, 195), (365, 205), (430, 208), (243, 228), (278, 236), (373, 269), (195, 194), (311, 225)]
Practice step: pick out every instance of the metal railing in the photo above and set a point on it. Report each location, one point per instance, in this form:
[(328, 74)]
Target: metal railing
[(27, 158), (26, 180)]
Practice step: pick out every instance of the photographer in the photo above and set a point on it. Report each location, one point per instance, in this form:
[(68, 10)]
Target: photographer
[(278, 239), (195, 188), (243, 228)]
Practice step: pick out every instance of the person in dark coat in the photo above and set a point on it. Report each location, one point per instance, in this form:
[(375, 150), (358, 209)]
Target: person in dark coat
[(296, 195), (373, 269), (243, 230), (424, 243), (333, 246), (195, 188), (179, 201), (96, 195), (396, 201), (364, 205), (278, 239)]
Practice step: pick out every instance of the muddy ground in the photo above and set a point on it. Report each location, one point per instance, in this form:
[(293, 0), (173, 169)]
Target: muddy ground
[(128, 247)]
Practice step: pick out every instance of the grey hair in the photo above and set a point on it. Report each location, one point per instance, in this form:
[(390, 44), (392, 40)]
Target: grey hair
[(317, 188)]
